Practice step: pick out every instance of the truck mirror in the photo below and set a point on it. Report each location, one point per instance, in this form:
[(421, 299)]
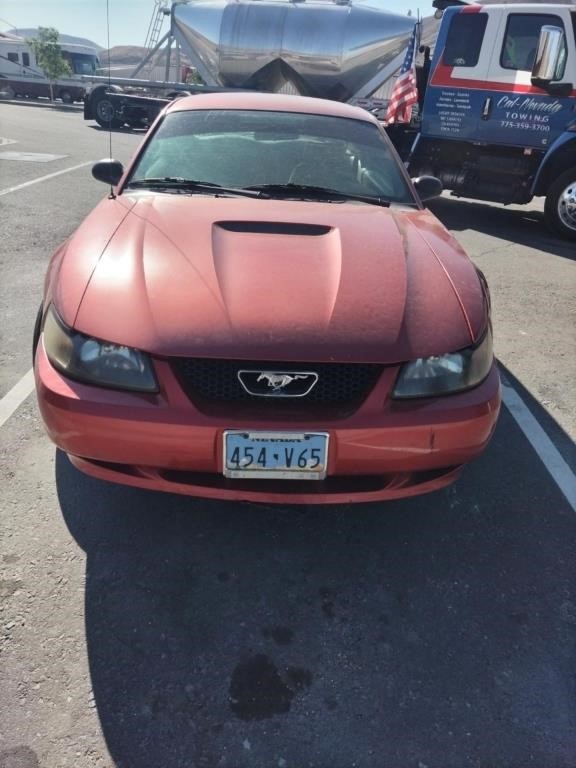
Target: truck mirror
[(109, 171), (550, 56), (427, 187)]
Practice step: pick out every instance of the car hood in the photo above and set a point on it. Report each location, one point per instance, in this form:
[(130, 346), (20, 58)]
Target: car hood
[(269, 279)]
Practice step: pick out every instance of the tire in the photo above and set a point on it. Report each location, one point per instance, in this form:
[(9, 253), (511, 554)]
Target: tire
[(103, 109), (8, 92), (66, 97), (560, 205), (178, 94), (37, 330)]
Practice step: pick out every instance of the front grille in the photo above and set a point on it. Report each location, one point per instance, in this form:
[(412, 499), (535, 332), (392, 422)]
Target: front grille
[(217, 380)]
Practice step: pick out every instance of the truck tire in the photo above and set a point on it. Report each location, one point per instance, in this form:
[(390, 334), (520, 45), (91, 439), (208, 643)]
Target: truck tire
[(66, 97), (103, 110), (560, 205), (178, 94)]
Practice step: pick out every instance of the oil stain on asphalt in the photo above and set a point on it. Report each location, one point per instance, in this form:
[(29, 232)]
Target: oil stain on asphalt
[(257, 691), (19, 757)]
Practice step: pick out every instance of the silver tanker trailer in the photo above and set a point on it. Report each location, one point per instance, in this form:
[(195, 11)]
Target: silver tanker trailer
[(322, 48), (335, 49)]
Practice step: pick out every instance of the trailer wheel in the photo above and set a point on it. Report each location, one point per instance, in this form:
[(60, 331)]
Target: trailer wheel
[(178, 94), (103, 109), (560, 205), (8, 92), (66, 97)]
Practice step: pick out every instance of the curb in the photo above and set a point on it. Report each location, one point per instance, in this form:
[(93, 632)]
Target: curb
[(45, 104)]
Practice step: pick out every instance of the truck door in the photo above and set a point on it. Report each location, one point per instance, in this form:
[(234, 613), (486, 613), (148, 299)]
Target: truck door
[(514, 112), (455, 92)]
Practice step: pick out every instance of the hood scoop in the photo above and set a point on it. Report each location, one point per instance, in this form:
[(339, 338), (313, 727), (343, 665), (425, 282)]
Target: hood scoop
[(260, 267), (273, 228)]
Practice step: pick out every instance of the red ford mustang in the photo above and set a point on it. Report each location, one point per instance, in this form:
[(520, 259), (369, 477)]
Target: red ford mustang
[(265, 311)]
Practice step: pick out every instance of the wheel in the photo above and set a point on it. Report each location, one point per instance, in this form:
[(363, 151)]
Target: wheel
[(37, 329), (560, 205), (66, 97), (178, 94), (8, 92), (103, 108)]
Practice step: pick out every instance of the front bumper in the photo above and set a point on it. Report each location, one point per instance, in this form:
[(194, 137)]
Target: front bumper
[(386, 449)]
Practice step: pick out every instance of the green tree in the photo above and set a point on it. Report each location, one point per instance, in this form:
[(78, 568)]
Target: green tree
[(49, 56)]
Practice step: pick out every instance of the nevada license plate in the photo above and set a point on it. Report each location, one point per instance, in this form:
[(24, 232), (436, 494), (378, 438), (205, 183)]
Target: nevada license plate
[(275, 455)]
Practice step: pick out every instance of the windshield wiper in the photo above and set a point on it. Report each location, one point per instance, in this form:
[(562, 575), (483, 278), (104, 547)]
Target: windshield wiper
[(307, 191), (179, 183), (304, 191)]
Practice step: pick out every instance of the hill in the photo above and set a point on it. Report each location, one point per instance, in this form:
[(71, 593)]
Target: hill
[(122, 55), (63, 39), (126, 55)]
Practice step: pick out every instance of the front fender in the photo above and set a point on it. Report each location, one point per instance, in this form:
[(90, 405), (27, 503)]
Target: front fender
[(557, 154)]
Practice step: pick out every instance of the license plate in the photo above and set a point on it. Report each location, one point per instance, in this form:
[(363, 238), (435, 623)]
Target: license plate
[(275, 455)]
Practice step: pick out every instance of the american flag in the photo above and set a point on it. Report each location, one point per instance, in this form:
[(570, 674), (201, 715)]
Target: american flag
[(405, 92)]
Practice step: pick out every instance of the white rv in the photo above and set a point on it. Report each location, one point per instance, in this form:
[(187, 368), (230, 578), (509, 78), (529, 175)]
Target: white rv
[(20, 74)]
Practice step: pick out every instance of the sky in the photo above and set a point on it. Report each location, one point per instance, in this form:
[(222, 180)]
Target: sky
[(129, 19)]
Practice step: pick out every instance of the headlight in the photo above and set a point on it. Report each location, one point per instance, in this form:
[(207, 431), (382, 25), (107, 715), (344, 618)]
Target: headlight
[(96, 362), (444, 374)]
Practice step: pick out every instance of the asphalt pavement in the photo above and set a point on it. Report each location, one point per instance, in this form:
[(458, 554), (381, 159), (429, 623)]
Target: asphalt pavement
[(143, 630)]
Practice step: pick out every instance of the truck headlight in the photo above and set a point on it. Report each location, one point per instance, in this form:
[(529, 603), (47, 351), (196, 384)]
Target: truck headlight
[(94, 361), (445, 374)]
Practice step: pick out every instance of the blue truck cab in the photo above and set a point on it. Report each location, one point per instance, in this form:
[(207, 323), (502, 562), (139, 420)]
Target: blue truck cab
[(499, 114)]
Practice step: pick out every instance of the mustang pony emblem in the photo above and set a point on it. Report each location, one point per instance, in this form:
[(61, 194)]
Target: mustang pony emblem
[(277, 383), (279, 380)]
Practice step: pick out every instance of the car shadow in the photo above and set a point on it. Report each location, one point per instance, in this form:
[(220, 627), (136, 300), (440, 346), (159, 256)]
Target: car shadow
[(523, 226), (434, 631), (123, 129), (563, 442)]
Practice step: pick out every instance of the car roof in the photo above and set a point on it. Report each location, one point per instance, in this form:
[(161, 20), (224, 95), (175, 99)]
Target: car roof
[(269, 102)]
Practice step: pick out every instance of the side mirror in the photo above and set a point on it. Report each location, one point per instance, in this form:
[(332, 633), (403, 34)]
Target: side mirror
[(109, 171), (427, 187), (550, 56)]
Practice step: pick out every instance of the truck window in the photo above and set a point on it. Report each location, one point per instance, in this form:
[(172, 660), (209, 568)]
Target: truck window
[(81, 63), (521, 40), (13, 57), (26, 59), (464, 39)]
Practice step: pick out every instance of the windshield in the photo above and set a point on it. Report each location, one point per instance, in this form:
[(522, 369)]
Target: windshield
[(81, 63), (246, 148)]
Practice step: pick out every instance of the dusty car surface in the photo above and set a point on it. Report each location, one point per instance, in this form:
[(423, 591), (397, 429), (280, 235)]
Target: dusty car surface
[(265, 311)]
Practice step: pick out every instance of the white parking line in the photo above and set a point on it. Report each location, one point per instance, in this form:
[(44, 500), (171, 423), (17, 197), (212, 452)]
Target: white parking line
[(539, 440), (44, 178), (544, 447), (16, 396), (30, 157)]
